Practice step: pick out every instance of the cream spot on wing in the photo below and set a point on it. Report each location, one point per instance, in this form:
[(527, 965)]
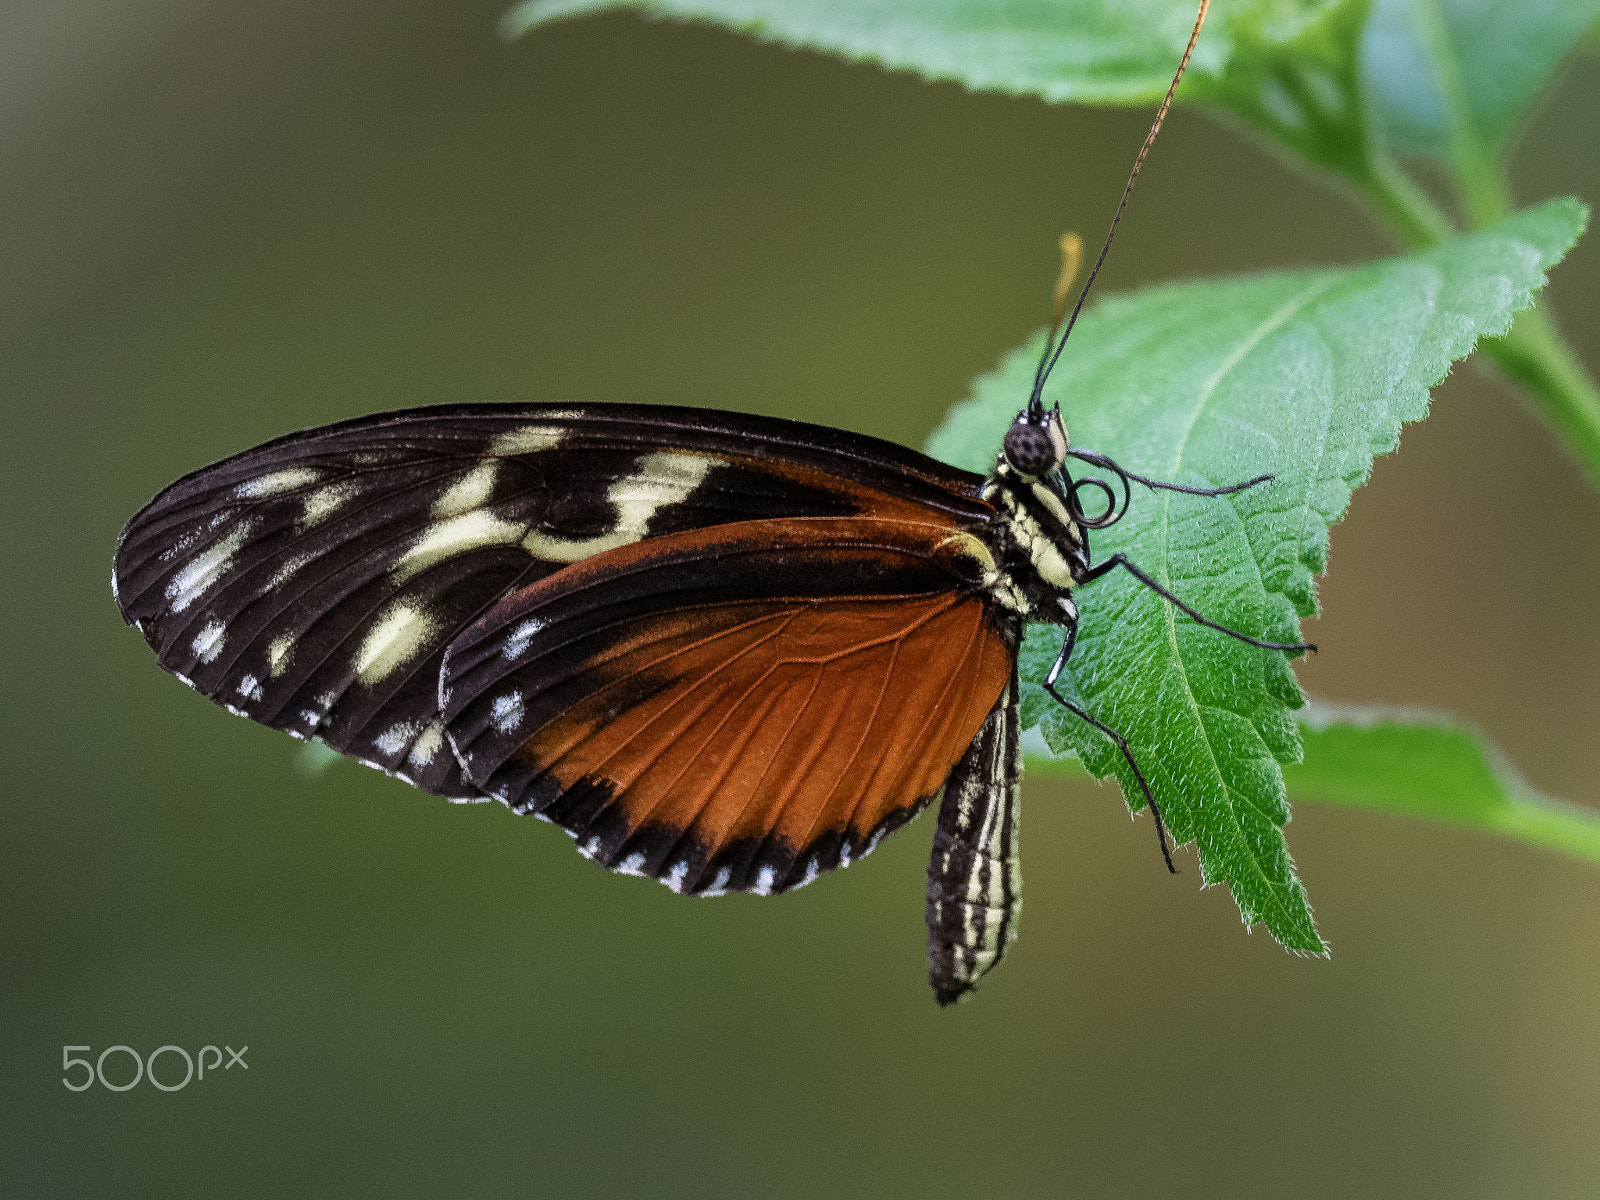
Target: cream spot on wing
[(506, 712), (277, 481), (661, 479), (393, 739), (529, 439), (278, 653), (456, 535), (393, 638), (324, 500), (208, 642), (428, 744), (468, 492), (517, 644), (970, 547), (203, 570)]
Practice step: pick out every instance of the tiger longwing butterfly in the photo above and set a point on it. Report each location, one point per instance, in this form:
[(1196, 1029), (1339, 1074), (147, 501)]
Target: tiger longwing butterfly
[(723, 651)]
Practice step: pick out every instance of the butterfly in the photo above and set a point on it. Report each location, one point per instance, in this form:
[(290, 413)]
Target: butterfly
[(727, 652)]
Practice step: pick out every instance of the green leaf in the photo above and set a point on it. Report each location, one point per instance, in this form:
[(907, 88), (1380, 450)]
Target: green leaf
[(1416, 764), (1097, 51), (1305, 374), (1493, 58), (1301, 85), (1433, 766)]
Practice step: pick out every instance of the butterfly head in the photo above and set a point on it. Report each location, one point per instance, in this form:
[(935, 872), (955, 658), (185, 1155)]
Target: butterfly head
[(1036, 444)]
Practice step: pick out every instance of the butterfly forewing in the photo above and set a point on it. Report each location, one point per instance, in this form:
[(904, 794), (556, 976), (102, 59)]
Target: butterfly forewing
[(736, 708), (314, 583)]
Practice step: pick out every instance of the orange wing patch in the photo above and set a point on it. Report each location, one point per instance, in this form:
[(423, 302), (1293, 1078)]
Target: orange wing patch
[(723, 737)]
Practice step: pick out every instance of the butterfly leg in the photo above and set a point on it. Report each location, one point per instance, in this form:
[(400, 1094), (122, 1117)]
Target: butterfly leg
[(1121, 742), (1096, 459), (1121, 560)]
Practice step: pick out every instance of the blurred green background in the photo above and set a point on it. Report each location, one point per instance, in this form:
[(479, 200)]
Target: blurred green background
[(225, 222)]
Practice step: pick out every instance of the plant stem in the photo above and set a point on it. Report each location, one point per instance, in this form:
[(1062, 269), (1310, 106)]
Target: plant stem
[(1533, 354), (1414, 216), (1483, 196)]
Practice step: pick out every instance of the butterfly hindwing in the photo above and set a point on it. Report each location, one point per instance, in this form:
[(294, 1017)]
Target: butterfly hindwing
[(314, 582), (736, 708)]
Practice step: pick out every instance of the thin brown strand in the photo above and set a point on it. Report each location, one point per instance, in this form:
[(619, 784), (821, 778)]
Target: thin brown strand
[(1133, 177)]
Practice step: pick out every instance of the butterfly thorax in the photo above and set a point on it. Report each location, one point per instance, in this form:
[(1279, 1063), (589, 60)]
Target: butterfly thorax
[(1040, 551)]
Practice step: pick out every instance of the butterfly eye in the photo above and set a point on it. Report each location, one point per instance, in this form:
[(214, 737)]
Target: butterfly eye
[(1031, 450)]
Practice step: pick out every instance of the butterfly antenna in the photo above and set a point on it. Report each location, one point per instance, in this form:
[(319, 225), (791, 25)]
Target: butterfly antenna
[(1047, 362)]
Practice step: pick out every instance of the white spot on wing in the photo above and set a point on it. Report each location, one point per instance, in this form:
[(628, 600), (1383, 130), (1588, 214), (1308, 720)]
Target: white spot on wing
[(202, 570), (517, 644), (394, 739), (719, 885), (813, 869), (468, 492), (506, 712), (393, 639), (289, 567), (679, 872), (765, 878), (250, 688), (208, 642), (633, 864), (277, 481)]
